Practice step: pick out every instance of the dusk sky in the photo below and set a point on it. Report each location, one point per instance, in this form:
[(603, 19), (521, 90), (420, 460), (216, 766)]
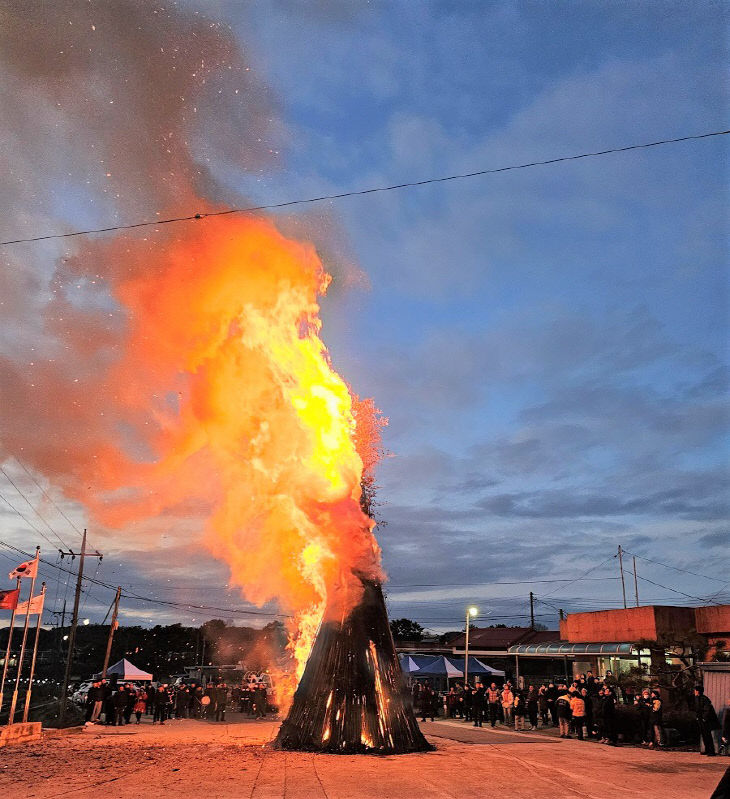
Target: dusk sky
[(550, 345)]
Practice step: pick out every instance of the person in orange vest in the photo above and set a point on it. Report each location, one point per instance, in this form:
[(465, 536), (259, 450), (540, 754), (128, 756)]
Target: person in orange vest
[(578, 710), (508, 701)]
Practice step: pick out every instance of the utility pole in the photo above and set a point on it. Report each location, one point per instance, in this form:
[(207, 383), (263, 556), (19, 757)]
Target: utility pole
[(621, 568), (636, 583), (111, 632), (74, 624), (562, 613), (532, 611)]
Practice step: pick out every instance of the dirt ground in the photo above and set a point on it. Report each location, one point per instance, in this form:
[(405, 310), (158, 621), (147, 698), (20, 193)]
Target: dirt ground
[(188, 759)]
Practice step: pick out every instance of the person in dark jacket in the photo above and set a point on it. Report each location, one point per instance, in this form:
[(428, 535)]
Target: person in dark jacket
[(95, 700), (657, 725), (131, 699), (108, 701), (552, 698), (532, 699), (542, 705), (519, 709), (160, 700), (259, 700), (468, 702), (477, 705), (562, 706), (643, 703), (221, 701), (120, 705), (608, 716), (706, 719), (427, 702)]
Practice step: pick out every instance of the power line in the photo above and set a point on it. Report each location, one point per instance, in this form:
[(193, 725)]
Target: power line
[(46, 495), (509, 582), (676, 568), (27, 521), (360, 192), (31, 506), (165, 603)]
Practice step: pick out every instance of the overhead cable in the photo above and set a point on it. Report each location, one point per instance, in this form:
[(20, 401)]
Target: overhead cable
[(359, 192)]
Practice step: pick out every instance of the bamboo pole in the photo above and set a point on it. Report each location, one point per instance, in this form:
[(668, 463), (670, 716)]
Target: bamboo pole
[(7, 650), (26, 709), (13, 703)]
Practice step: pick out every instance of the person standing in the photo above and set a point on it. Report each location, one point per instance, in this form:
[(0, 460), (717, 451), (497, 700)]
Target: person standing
[(478, 705), (656, 720), (120, 706), (140, 705), (552, 694), (259, 698), (96, 700), (221, 701), (542, 705), (643, 704), (706, 719), (532, 698), (562, 708), (131, 700), (468, 702), (508, 701), (493, 703), (608, 707), (160, 712), (578, 712), (519, 709)]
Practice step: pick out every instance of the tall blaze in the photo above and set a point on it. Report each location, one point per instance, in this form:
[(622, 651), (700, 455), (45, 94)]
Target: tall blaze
[(229, 405)]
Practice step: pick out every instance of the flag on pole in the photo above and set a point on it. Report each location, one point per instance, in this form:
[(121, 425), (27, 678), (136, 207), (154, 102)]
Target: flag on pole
[(32, 606), (9, 599), (27, 569)]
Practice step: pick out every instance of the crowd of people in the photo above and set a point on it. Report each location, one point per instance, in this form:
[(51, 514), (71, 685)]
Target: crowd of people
[(585, 709), (117, 704)]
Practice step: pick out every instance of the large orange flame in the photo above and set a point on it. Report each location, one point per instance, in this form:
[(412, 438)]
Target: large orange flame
[(249, 422)]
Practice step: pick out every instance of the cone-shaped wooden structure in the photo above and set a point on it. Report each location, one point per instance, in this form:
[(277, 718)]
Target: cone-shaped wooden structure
[(352, 698)]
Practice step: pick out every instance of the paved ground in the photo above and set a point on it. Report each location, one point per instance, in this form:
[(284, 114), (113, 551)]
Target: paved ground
[(188, 759)]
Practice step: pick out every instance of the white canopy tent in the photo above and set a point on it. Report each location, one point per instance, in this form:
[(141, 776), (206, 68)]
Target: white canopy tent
[(127, 672)]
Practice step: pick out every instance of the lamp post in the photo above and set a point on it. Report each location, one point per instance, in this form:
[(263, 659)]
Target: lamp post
[(472, 611)]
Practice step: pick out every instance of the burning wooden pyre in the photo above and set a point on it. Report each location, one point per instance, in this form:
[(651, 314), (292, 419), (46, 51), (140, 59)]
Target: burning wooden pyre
[(351, 698)]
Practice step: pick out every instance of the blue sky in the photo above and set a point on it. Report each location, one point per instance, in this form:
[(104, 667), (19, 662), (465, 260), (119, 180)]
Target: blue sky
[(550, 345)]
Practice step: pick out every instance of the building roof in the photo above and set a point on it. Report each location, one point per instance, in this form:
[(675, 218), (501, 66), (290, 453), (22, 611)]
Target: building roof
[(564, 648), (494, 638)]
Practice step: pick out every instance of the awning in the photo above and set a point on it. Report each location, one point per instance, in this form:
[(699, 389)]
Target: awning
[(558, 648)]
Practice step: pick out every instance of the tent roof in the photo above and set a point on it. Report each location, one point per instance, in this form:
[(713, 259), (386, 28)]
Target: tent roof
[(441, 665), (128, 671), (476, 666)]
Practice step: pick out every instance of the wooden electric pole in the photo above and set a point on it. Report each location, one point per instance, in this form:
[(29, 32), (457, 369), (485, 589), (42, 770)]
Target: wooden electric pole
[(111, 632), (74, 624), (532, 611), (621, 568), (636, 583)]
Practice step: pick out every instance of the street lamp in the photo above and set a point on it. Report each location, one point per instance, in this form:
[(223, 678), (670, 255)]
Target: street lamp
[(472, 611)]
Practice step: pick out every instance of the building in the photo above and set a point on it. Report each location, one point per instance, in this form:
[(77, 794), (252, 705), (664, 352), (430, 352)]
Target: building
[(655, 637)]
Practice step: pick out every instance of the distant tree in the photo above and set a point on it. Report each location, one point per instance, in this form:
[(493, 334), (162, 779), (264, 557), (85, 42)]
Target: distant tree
[(540, 627), (406, 630)]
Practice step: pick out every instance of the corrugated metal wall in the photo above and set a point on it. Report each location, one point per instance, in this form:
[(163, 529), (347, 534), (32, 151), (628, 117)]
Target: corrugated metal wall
[(717, 689)]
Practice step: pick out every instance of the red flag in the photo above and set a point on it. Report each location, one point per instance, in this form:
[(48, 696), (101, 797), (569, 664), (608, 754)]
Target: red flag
[(9, 599), (32, 606)]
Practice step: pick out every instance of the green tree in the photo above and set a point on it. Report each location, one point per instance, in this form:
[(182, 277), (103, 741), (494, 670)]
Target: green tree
[(406, 630)]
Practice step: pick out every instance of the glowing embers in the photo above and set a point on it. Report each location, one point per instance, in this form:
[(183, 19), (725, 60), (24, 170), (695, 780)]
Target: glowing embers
[(351, 697)]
